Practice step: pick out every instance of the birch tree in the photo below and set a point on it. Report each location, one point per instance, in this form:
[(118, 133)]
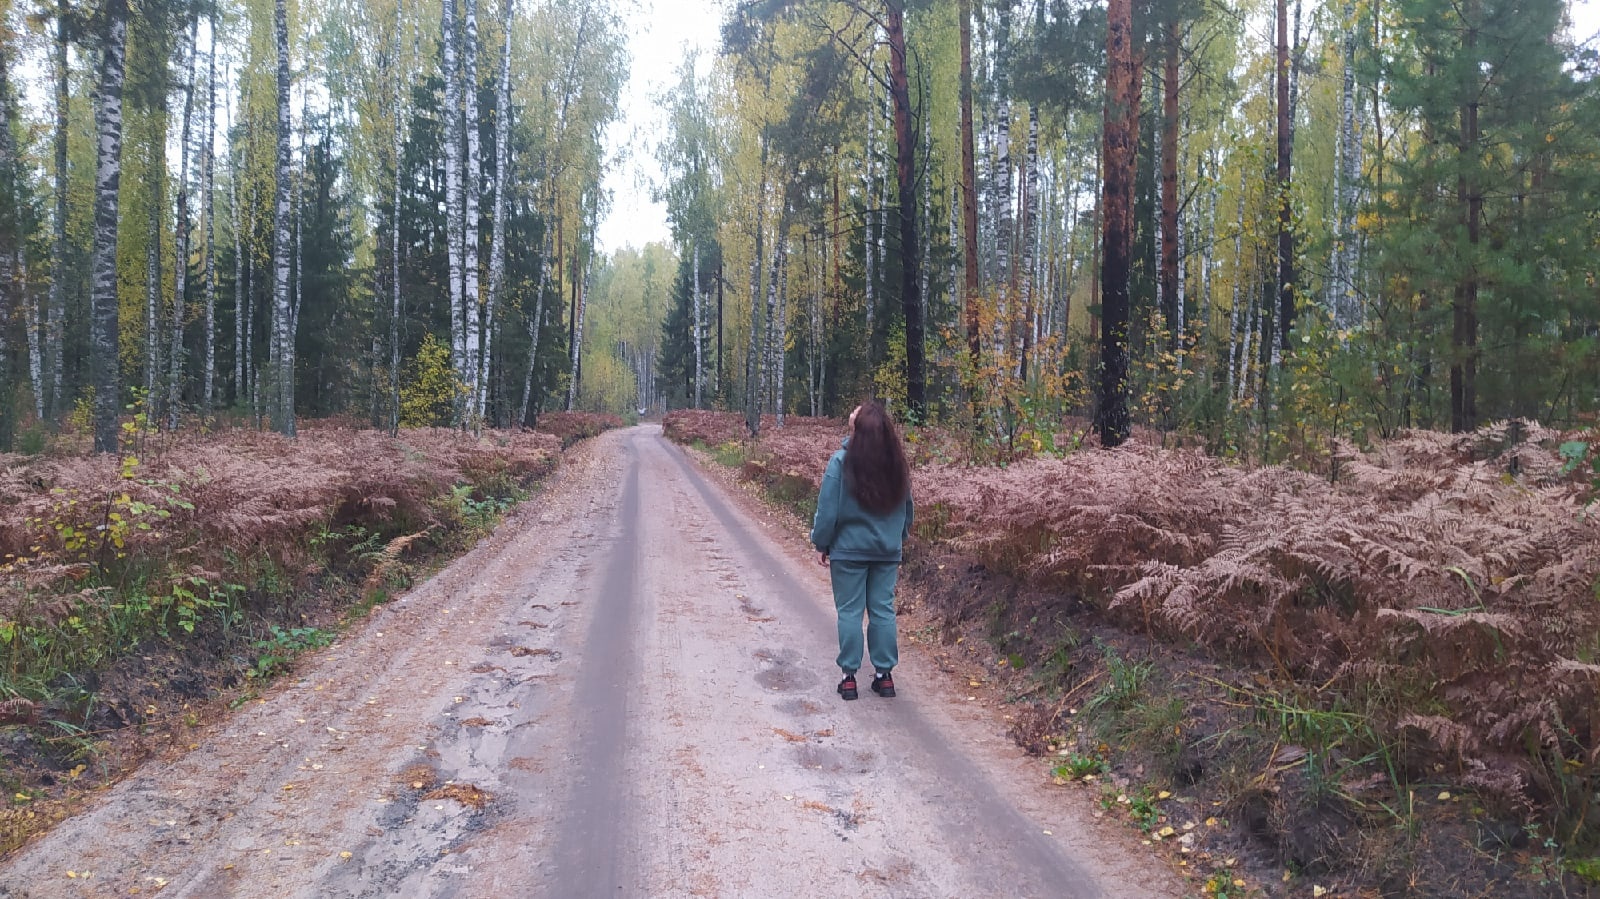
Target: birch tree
[(180, 262), (282, 315), (111, 38)]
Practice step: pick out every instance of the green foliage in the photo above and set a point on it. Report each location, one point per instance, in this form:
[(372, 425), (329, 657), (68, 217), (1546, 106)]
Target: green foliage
[(431, 390), (1076, 766), (278, 651)]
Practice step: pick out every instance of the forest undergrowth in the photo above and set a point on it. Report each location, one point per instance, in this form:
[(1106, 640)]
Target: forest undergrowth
[(1384, 675), (137, 588)]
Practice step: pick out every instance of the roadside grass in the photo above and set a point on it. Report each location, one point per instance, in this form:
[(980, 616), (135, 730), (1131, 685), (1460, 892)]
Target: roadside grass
[(134, 591), (1287, 779)]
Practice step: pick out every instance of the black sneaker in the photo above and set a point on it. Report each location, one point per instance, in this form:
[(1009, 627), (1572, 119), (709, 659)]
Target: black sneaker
[(883, 685), (847, 687)]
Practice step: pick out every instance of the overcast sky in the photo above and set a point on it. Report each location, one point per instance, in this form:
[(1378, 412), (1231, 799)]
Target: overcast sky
[(662, 30)]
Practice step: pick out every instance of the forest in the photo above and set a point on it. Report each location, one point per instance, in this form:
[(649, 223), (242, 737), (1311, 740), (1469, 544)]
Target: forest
[(1267, 227), (1272, 249)]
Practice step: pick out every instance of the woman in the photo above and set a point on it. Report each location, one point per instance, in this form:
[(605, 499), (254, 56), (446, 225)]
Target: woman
[(863, 518)]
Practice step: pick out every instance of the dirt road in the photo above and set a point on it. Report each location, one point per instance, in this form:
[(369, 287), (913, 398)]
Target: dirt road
[(628, 691)]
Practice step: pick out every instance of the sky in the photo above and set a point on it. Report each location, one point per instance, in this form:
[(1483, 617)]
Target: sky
[(661, 32)]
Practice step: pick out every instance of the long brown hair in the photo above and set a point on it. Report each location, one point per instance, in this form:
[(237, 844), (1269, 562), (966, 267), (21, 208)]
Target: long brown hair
[(875, 465)]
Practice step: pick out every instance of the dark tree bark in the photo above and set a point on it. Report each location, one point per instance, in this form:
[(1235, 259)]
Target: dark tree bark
[(906, 157), (1169, 184), (1286, 273), (1119, 150), (58, 282), (180, 262), (969, 197), (1469, 197)]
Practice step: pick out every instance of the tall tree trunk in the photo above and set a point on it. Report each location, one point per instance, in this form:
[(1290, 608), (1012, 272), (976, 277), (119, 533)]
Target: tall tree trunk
[(1119, 152), (455, 217), (699, 335), (1286, 273), (399, 153), (969, 196), (769, 338), (472, 178), (1233, 307), (155, 172), (870, 249), (752, 374), (716, 375), (780, 358), (58, 279), (14, 294), (1001, 188), (1169, 183), (1345, 309), (1028, 286), (208, 194), (33, 321), (104, 367), (282, 332), (502, 174), (1469, 200), (911, 265), (11, 292), (180, 236), (534, 326), (241, 294), (582, 273)]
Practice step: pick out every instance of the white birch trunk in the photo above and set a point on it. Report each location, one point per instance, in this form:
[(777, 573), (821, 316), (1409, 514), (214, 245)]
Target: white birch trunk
[(870, 248), (573, 384), (781, 331), (11, 292), (1030, 236), (534, 324), (282, 332), (1345, 308), (152, 285), (208, 192), (454, 213), (58, 280), (502, 174), (241, 294), (752, 374), (1234, 388), (1182, 287), (104, 364), (475, 325), (1209, 245), (180, 236), (699, 333), (33, 319)]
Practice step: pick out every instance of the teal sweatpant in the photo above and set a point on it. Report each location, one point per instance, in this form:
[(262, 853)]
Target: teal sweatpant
[(865, 587)]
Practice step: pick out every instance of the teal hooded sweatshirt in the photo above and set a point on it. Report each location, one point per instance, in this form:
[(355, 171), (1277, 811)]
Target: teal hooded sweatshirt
[(845, 531)]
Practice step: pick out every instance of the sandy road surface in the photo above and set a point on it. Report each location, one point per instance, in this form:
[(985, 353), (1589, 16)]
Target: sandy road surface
[(637, 671)]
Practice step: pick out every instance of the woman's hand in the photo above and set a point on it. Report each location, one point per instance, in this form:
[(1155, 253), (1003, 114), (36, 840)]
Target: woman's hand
[(822, 559)]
